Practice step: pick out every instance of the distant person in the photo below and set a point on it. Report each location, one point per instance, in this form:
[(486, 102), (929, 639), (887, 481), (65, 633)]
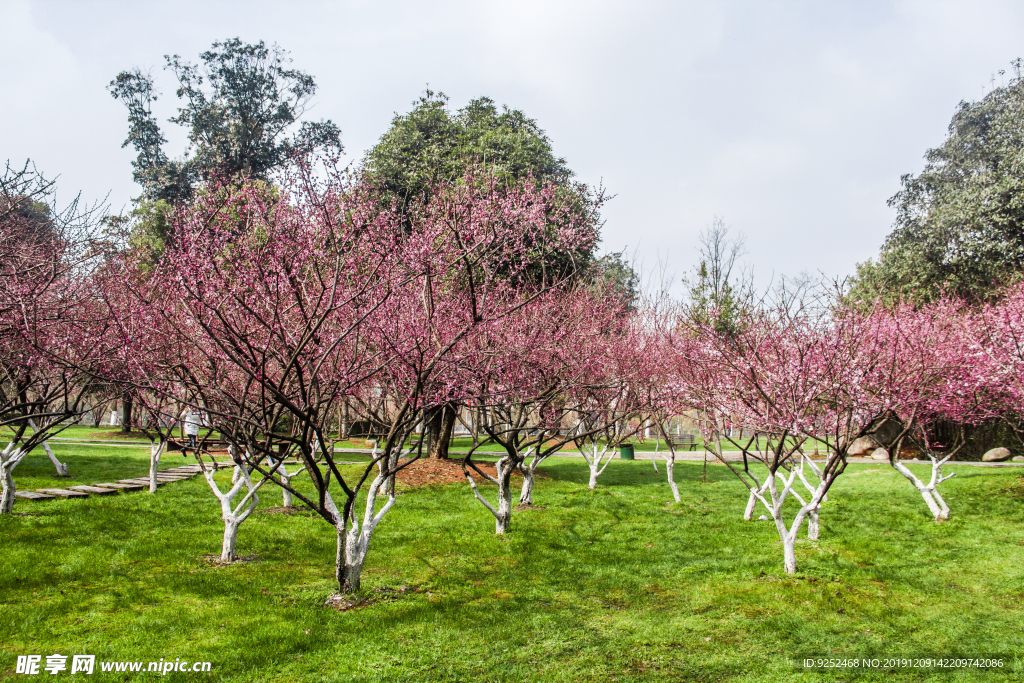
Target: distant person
[(190, 419)]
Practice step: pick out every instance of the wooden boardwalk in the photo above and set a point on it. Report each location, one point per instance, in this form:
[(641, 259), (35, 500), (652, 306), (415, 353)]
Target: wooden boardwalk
[(111, 488)]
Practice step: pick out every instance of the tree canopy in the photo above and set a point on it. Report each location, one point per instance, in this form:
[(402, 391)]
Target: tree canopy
[(432, 145), (959, 225), (240, 104)]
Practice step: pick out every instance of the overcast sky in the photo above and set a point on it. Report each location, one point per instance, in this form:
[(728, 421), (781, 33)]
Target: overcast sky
[(791, 120)]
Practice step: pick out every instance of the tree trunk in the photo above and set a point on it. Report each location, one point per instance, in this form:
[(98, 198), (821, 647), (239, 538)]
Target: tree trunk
[(355, 556), (156, 449), (227, 553), (62, 469), (526, 495), (751, 504), (812, 524), (286, 479), (670, 464), (789, 552), (348, 567), (440, 424), (126, 414), (593, 476), (503, 519), (929, 499), (7, 482)]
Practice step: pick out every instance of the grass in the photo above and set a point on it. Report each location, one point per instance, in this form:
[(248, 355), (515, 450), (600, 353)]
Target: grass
[(608, 585), (460, 444)]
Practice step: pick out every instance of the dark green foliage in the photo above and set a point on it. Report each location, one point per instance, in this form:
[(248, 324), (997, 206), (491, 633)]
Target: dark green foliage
[(960, 223), (431, 146), (617, 274), (239, 106)]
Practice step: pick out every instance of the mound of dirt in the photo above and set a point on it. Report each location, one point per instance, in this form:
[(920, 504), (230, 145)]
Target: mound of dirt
[(449, 471)]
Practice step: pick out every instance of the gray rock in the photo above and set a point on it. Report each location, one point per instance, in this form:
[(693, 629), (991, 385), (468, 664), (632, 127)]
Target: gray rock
[(1017, 458), (880, 454), (862, 446), (996, 455)]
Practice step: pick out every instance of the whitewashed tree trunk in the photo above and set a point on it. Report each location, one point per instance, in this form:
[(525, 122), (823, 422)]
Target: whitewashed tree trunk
[(503, 513), (670, 465), (526, 495), (748, 513), (503, 518), (156, 450), (813, 528), (788, 534), (354, 538), (929, 492), (286, 480), (529, 472), (234, 515), (597, 459), (812, 525), (62, 469), (9, 459)]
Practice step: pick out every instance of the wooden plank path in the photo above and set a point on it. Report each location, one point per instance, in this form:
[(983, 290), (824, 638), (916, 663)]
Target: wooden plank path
[(173, 474)]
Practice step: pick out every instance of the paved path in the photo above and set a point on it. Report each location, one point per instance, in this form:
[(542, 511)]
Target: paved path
[(112, 488)]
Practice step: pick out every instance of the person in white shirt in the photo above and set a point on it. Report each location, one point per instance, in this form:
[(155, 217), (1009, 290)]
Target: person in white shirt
[(190, 419)]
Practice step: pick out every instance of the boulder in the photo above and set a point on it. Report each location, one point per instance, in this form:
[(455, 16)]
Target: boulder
[(862, 446), (1017, 458), (880, 454), (996, 455)]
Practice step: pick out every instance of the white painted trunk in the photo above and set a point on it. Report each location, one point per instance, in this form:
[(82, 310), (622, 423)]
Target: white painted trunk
[(7, 492), (526, 495), (234, 515), (356, 546), (755, 495), (503, 513), (748, 513), (503, 517), (670, 464), (925, 491), (596, 460), (812, 524), (788, 535), (227, 552), (62, 469), (9, 459), (156, 450), (354, 542), (789, 552), (286, 479)]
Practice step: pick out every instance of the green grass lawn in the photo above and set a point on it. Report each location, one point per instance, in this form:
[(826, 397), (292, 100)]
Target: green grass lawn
[(608, 585), (458, 444)]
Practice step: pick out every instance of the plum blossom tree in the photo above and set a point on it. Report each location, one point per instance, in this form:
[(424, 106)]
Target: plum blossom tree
[(994, 342), (924, 375), (791, 372), (46, 314), (522, 372), (296, 298)]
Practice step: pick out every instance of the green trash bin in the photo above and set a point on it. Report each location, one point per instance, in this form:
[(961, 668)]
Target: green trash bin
[(626, 451)]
